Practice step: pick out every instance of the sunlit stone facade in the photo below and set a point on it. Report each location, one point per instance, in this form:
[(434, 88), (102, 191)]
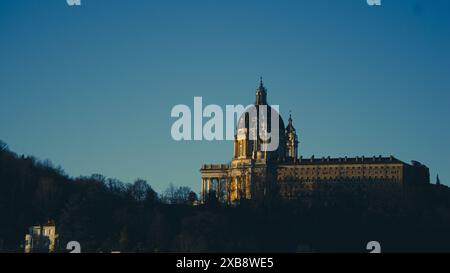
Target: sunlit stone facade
[(41, 238), (254, 174)]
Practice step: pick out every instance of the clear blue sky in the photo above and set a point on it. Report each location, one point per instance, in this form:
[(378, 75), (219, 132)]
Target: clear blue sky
[(91, 87)]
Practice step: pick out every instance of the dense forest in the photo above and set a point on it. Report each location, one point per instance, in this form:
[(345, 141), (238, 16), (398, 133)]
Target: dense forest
[(105, 214)]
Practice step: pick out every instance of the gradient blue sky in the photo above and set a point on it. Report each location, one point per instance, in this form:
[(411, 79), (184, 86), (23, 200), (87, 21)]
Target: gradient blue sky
[(91, 88)]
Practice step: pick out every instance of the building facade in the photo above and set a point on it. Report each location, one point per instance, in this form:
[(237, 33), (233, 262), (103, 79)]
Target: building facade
[(254, 174), (41, 238)]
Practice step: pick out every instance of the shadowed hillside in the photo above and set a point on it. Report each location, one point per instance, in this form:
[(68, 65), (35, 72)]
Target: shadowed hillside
[(107, 214)]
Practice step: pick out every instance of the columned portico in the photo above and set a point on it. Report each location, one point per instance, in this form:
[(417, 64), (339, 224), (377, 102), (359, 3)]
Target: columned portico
[(214, 179)]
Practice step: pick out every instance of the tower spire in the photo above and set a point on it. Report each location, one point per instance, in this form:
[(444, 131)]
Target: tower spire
[(261, 93), (292, 139)]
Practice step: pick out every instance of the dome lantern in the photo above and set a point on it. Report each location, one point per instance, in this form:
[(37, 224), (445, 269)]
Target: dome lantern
[(261, 93)]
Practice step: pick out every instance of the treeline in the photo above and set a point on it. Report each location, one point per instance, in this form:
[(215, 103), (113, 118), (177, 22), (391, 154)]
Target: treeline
[(106, 215), (102, 214)]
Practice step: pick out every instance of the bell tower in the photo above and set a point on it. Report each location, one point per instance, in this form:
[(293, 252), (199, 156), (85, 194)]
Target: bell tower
[(292, 140)]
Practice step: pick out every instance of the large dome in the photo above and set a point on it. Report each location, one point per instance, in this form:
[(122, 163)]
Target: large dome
[(259, 116)]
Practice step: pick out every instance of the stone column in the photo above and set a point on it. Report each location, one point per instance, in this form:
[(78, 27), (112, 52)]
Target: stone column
[(218, 187), (227, 190), (207, 188), (224, 188), (209, 185), (238, 188), (249, 186), (203, 190), (205, 193)]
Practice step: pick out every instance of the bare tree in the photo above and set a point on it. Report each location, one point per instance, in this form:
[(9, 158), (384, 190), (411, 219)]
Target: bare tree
[(174, 195), (139, 190)]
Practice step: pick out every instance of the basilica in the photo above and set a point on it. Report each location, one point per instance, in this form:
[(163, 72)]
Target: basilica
[(255, 173)]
